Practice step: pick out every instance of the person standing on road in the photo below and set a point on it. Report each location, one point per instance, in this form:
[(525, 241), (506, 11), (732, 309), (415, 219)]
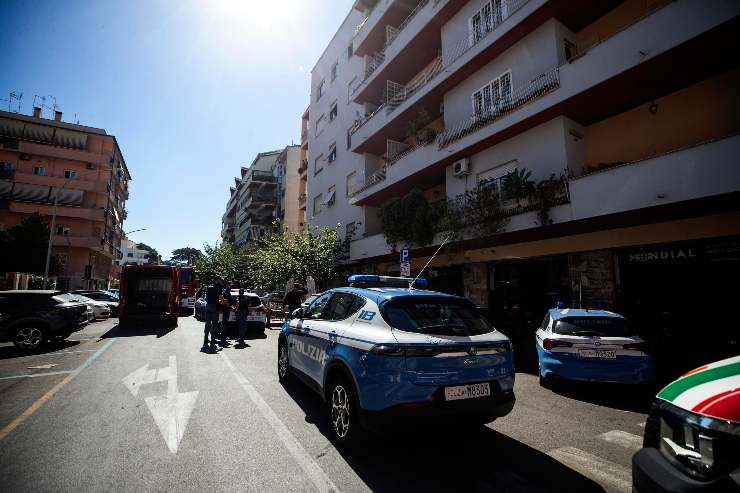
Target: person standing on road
[(293, 298), (242, 311), (213, 294), (227, 301)]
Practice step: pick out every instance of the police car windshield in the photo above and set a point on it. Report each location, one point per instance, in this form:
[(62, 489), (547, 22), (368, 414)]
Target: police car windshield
[(435, 316), (593, 326)]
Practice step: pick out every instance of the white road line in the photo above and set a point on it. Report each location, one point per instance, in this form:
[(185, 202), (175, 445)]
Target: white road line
[(622, 438), (605, 472), (314, 472), (33, 375)]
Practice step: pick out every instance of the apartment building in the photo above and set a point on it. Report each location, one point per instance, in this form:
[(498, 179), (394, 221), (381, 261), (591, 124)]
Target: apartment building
[(82, 170), (303, 170), (624, 113), (287, 170), (131, 254), (253, 202)]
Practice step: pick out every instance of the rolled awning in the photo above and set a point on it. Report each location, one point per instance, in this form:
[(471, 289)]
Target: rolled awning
[(5, 188), (30, 193), (66, 196)]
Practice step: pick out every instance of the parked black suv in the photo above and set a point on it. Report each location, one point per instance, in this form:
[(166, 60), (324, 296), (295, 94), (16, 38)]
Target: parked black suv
[(29, 318)]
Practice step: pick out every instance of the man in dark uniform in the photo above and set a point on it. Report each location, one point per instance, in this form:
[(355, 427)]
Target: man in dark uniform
[(213, 291), (225, 310), (293, 299)]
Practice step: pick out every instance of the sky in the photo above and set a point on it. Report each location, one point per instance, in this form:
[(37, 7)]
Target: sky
[(192, 90)]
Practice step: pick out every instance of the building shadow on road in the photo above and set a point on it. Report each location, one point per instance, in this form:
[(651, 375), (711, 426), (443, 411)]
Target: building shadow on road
[(634, 398), (474, 459), (9, 352), (145, 329)]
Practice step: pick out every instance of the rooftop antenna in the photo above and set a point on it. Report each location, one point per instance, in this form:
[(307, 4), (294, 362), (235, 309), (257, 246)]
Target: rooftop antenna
[(54, 107), (14, 96), (411, 284)]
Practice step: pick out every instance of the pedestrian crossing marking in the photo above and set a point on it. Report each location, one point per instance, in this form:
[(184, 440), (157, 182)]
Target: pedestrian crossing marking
[(605, 472), (622, 438)]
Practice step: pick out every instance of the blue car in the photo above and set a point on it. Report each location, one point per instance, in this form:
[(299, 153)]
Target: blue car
[(380, 355), (591, 345)]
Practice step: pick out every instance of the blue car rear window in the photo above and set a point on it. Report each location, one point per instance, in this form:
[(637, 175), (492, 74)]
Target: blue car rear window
[(593, 326), (435, 316)]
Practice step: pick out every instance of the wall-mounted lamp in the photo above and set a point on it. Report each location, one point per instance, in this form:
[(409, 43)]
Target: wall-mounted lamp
[(653, 108)]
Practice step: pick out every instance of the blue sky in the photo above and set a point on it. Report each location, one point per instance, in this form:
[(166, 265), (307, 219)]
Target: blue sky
[(192, 90)]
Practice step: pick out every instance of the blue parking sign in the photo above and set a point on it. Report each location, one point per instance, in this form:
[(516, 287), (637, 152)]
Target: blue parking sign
[(405, 255)]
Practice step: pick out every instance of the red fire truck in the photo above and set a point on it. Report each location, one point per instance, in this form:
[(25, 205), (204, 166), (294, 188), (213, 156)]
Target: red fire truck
[(189, 284), (149, 292)]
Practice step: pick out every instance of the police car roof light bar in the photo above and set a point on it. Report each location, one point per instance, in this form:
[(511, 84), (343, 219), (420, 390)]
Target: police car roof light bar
[(411, 284)]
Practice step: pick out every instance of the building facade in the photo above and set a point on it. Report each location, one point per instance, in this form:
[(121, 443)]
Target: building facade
[(619, 118), (303, 170), (253, 202), (130, 254), (286, 169), (83, 171)]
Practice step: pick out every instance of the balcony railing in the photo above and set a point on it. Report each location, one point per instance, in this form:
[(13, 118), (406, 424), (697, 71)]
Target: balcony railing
[(303, 166), (539, 86), (371, 180), (401, 93)]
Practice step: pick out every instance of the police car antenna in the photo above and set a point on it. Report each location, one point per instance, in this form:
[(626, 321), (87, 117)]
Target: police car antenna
[(411, 284)]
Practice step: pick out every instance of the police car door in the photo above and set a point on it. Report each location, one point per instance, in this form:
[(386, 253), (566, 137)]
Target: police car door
[(302, 347), (326, 331)]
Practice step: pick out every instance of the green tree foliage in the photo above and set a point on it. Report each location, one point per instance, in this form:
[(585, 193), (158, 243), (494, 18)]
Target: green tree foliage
[(185, 256), (154, 257), (409, 218), (281, 257), (23, 247), (221, 260)]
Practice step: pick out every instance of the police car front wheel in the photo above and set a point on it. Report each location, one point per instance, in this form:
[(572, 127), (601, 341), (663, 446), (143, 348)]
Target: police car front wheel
[(282, 363)]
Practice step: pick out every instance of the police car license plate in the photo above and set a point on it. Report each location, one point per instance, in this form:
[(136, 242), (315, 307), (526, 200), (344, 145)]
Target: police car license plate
[(467, 391), (597, 353)]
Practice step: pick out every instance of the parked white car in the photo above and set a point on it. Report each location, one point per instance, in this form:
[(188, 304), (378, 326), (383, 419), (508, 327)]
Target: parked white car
[(97, 310)]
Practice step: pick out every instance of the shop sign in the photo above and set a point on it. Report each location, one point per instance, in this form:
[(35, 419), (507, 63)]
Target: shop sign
[(662, 255)]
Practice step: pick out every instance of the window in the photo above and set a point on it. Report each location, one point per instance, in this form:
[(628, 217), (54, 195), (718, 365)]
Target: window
[(39, 170), (319, 90), (62, 230), (593, 326), (435, 316), (334, 71), (350, 51), (130, 254), (315, 309), (333, 112), (331, 196), (351, 229), (320, 125), (351, 178), (70, 174), (317, 203), (484, 20), (571, 50), (332, 153), (7, 166), (317, 165), (493, 95), (495, 177), (343, 305), (350, 86)]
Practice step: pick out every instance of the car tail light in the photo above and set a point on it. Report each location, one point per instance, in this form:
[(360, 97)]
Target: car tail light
[(424, 351), (550, 344), (637, 346), (388, 350)]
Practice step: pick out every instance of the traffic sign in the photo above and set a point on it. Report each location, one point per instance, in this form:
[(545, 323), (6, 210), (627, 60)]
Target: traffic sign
[(405, 255), (405, 269)]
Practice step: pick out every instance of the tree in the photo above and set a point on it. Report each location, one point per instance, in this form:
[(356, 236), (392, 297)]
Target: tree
[(224, 261), (154, 257), (23, 247), (311, 253), (185, 256)]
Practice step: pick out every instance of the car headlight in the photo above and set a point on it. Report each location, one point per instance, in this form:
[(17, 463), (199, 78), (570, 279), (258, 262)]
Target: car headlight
[(701, 446)]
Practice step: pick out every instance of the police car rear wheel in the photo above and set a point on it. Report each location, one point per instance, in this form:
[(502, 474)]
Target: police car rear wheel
[(343, 412), (283, 371)]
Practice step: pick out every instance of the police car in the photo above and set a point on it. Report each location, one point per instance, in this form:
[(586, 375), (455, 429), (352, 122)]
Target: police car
[(591, 345), (378, 353)]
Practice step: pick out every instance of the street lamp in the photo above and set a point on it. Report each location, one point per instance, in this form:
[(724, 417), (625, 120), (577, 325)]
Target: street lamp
[(54, 219), (134, 231)]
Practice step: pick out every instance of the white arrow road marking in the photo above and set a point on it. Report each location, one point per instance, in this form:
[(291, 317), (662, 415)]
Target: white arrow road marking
[(42, 367), (172, 411)]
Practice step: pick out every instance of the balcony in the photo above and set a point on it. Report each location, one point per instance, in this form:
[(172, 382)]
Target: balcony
[(303, 167), (259, 178), (582, 89), (83, 241), (302, 202)]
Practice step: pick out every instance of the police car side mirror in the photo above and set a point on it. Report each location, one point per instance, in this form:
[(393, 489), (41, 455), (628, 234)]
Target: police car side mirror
[(297, 313)]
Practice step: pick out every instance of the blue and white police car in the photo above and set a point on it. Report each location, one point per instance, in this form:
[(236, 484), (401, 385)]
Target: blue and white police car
[(378, 354), (591, 345)]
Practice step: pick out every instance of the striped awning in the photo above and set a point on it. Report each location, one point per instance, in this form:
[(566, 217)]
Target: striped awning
[(70, 139), (5, 188), (66, 196), (38, 133), (30, 193)]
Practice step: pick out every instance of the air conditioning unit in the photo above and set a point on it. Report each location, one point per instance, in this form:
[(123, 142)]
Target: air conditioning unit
[(90, 166), (25, 157), (461, 167)]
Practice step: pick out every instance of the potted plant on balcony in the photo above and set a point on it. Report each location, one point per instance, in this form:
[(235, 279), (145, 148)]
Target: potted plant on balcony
[(519, 185), (415, 126)]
